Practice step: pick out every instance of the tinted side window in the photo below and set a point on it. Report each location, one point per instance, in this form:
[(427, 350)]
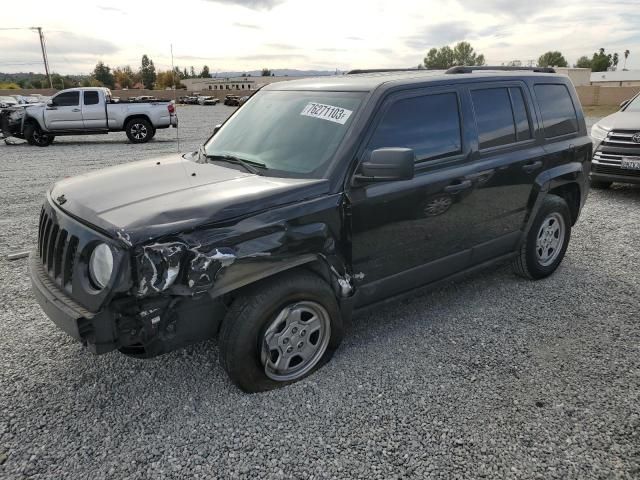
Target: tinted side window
[(67, 99), (493, 117), (523, 129), (91, 98), (430, 125), (556, 107)]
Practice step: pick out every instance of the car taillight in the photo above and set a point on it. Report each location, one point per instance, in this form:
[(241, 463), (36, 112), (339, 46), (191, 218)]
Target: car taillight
[(171, 108)]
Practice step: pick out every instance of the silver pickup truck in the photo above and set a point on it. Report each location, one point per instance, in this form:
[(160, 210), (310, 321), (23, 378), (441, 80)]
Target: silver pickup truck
[(87, 111)]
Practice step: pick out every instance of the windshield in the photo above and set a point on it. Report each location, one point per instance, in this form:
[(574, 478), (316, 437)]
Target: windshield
[(634, 105), (291, 133)]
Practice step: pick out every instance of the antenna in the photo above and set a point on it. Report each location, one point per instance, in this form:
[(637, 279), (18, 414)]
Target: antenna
[(175, 96)]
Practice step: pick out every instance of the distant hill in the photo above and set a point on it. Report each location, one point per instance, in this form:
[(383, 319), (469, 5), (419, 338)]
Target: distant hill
[(282, 72)]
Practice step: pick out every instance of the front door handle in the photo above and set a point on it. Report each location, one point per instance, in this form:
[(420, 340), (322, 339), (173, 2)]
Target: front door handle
[(75, 110), (458, 187), (532, 166)]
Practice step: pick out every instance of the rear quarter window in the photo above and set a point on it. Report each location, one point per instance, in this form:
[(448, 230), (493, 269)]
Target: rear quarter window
[(557, 110)]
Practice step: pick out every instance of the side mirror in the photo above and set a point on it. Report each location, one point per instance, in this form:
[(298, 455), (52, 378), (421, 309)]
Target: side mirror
[(216, 128), (50, 103), (387, 165), (624, 104)]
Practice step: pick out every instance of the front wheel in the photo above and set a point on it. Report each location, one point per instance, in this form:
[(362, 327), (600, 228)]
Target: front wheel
[(139, 130), (547, 240), (279, 331), (35, 136)]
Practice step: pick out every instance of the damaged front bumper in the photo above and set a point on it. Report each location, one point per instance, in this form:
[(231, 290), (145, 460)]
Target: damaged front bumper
[(146, 327)]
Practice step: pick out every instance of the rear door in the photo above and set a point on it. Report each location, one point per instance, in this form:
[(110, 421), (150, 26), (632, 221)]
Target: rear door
[(94, 113), (64, 112), (508, 157)]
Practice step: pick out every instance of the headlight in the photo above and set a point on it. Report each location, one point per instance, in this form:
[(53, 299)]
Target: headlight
[(101, 265), (599, 133)]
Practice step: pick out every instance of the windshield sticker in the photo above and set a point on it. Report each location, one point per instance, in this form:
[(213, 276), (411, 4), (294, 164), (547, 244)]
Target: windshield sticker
[(327, 112)]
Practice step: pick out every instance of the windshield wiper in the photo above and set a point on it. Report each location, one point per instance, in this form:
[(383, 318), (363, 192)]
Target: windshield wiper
[(248, 165)]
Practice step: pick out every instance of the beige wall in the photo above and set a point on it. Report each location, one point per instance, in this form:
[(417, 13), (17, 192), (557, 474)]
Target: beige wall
[(597, 95), (125, 94)]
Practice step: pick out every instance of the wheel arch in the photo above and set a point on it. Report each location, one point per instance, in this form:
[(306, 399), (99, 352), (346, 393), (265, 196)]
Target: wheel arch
[(133, 116)]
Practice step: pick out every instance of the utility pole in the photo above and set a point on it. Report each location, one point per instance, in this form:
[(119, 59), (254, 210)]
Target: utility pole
[(44, 54)]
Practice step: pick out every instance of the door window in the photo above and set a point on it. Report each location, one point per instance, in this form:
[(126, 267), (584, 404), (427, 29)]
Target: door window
[(67, 99), (91, 98), (430, 125), (558, 113)]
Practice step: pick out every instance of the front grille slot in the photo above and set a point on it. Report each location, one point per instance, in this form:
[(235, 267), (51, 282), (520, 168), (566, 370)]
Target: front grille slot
[(57, 250), (614, 170), (621, 137)]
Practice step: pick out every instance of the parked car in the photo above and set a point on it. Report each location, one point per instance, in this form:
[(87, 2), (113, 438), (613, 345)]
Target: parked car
[(274, 233), (191, 100), (232, 100), (6, 102), (208, 100), (617, 151), (243, 100), (85, 111)]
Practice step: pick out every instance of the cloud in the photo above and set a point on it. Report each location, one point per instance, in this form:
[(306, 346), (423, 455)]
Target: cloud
[(112, 9), (281, 46), (252, 4), (273, 57), (63, 43), (511, 8), (246, 25), (438, 35)]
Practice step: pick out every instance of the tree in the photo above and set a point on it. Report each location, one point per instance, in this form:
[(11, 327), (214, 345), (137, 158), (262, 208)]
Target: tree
[(438, 59), (192, 72), (583, 62), (626, 55), (205, 72), (601, 61), (102, 73), (614, 60), (125, 77), (185, 74), (266, 72), (552, 59), (147, 72), (463, 54), (445, 57), (168, 79)]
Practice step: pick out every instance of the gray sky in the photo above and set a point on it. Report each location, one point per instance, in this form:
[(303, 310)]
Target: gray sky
[(327, 34)]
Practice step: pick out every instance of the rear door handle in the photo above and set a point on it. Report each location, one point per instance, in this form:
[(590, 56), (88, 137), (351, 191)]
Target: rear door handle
[(532, 166), (75, 110), (458, 187)]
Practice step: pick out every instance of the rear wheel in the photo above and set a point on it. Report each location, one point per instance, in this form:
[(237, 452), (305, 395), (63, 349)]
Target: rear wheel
[(35, 136), (279, 331), (547, 240), (139, 130), (599, 184)]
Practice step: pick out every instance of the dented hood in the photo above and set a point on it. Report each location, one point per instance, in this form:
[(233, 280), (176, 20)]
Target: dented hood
[(142, 200)]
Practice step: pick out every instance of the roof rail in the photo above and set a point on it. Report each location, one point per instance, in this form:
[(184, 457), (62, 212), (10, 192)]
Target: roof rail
[(466, 69), (381, 70)]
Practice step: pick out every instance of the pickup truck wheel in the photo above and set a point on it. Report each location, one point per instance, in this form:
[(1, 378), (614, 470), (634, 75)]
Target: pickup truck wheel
[(599, 184), (139, 130), (35, 136), (547, 240), (279, 331)]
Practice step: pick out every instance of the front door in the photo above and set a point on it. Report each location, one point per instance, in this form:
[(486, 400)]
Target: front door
[(64, 112), (406, 233)]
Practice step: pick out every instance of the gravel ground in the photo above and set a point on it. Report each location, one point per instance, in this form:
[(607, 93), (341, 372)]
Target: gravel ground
[(493, 377)]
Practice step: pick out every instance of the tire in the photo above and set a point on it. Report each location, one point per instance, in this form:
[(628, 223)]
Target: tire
[(34, 136), (267, 313), (599, 184), (139, 130), (552, 226)]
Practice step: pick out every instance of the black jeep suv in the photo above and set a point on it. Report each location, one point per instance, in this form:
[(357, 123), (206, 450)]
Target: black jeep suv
[(354, 190)]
